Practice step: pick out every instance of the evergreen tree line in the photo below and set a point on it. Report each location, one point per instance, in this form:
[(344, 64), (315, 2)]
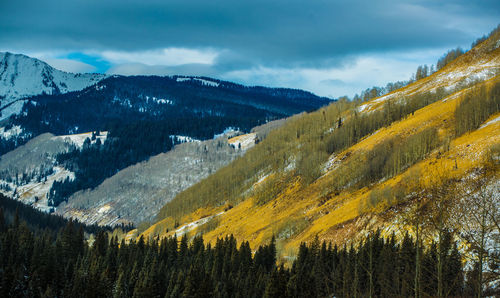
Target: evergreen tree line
[(141, 113), (38, 175), (9, 144), (38, 221), (43, 265)]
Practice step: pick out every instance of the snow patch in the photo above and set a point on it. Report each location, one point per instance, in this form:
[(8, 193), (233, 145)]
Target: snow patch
[(243, 142), (332, 160), (183, 139), (35, 193), (261, 179), (208, 83), (10, 133), (79, 139), (493, 121), (124, 102), (159, 100), (191, 226), (14, 108), (361, 108), (227, 131), (104, 209)]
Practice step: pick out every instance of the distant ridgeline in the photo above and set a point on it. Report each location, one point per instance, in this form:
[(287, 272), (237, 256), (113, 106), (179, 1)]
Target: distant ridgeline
[(142, 114), (122, 100)]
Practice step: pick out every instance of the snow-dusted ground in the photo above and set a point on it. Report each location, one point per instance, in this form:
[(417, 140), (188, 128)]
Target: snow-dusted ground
[(12, 132), (138, 192), (183, 139), (79, 139), (193, 225), (469, 75), (244, 142), (331, 164), (14, 108), (228, 132), (493, 121), (35, 193), (261, 179), (363, 107), (22, 76), (159, 100), (452, 78)]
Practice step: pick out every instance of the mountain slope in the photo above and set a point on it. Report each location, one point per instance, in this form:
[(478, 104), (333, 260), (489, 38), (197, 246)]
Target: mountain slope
[(22, 76), (28, 172), (344, 170), (144, 115), (137, 193)]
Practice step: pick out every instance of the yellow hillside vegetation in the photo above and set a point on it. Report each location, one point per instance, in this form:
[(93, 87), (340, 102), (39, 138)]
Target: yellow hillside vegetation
[(332, 172)]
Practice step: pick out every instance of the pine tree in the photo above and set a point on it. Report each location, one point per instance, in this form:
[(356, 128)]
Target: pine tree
[(121, 288), (273, 286)]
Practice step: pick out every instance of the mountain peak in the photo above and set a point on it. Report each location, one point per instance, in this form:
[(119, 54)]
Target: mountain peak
[(22, 77)]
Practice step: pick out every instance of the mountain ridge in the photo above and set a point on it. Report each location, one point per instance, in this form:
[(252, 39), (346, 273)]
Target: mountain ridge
[(141, 116)]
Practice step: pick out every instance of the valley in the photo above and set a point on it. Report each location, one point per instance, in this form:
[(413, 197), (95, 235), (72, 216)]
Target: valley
[(167, 165)]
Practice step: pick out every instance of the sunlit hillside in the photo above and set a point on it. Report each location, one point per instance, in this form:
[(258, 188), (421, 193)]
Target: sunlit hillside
[(348, 169)]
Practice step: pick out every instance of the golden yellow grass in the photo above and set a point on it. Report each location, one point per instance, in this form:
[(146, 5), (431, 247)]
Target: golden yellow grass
[(251, 222)]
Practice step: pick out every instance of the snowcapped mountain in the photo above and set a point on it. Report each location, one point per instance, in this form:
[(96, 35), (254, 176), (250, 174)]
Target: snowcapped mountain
[(22, 76)]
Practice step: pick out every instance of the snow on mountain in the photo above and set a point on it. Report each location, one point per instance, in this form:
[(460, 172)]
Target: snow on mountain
[(22, 76), (455, 76), (12, 132), (183, 139), (137, 193), (28, 172), (243, 142), (79, 139)]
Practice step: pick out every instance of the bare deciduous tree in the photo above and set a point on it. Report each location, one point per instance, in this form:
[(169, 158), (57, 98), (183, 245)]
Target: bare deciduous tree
[(477, 213)]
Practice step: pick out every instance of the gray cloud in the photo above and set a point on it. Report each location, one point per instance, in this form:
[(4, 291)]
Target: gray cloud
[(246, 34), (143, 69), (272, 32)]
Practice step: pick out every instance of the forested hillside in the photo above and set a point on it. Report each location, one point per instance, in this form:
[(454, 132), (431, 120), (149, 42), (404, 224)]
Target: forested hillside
[(45, 265), (143, 116), (136, 193), (422, 159), (150, 156)]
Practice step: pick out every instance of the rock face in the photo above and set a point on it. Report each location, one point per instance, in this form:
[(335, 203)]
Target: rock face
[(22, 76)]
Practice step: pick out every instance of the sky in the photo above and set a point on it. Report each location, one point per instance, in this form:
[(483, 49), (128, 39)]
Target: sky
[(329, 47)]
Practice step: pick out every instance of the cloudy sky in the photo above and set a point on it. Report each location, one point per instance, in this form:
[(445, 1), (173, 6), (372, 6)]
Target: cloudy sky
[(329, 47)]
